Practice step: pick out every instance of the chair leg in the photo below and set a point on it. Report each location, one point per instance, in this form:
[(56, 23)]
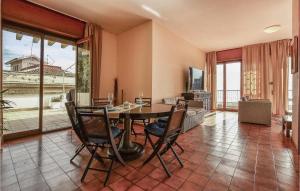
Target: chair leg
[(97, 157), (146, 137), (180, 147), (78, 150), (121, 139), (155, 149), (163, 164), (164, 150), (71, 136), (89, 164), (109, 172), (178, 159)]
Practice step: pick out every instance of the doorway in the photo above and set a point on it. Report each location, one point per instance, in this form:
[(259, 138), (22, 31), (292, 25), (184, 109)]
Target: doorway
[(38, 71), (228, 85)]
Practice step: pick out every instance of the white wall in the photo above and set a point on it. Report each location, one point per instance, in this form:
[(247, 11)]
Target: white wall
[(155, 61), (135, 61), (172, 57), (108, 63), (295, 77)]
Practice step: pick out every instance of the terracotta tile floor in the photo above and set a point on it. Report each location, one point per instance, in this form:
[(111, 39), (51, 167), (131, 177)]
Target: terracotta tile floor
[(219, 155)]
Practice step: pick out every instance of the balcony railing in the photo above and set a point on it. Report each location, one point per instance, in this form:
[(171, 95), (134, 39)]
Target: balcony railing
[(290, 100), (233, 97)]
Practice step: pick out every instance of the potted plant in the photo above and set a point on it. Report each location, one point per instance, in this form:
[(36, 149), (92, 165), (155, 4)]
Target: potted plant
[(56, 102), (5, 104)]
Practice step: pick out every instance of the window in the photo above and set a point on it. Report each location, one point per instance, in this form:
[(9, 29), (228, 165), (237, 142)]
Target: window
[(228, 85), (23, 87), (34, 111), (290, 87)]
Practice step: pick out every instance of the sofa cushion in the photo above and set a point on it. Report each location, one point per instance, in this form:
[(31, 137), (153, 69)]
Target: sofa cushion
[(163, 120), (170, 101), (196, 109), (191, 112), (155, 128)]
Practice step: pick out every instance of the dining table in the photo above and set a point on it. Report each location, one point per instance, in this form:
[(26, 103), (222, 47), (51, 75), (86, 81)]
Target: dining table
[(131, 150)]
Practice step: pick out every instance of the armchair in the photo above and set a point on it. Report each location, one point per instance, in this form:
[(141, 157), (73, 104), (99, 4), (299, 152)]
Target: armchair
[(258, 111)]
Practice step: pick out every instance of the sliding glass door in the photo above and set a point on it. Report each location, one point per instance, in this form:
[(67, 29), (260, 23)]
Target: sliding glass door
[(228, 85), (220, 86), (233, 84), (58, 80), (84, 82), (21, 78), (38, 72)]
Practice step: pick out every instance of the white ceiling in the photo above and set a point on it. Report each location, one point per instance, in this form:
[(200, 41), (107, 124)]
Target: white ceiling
[(208, 24)]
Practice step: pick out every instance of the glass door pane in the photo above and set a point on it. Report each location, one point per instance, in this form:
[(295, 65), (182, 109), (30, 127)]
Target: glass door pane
[(59, 79), (21, 76), (290, 87), (220, 86), (83, 82), (233, 84)]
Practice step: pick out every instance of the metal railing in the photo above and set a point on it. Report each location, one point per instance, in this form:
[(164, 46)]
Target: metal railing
[(233, 97), (290, 100)]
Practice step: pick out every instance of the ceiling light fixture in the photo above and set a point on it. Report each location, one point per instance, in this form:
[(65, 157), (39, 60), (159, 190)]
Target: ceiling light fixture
[(272, 29), (150, 10)]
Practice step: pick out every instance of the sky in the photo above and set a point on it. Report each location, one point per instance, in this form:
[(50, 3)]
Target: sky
[(233, 76), (12, 48)]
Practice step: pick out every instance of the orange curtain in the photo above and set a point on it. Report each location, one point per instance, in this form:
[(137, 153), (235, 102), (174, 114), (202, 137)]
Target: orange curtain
[(255, 76), (94, 33), (264, 73), (279, 60), (211, 84)]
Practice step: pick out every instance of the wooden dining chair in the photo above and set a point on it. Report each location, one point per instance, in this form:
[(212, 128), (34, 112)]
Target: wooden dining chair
[(71, 111), (100, 102), (145, 121), (166, 136), (70, 107), (98, 133), (164, 120)]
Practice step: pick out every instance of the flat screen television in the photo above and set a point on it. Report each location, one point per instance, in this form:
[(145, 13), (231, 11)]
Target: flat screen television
[(196, 79)]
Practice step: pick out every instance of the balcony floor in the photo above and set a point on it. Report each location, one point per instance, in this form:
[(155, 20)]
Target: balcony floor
[(19, 121), (221, 154)]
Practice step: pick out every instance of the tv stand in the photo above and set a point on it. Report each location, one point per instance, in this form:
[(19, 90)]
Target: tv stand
[(199, 95)]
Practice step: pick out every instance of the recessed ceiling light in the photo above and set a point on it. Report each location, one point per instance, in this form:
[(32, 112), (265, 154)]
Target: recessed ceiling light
[(150, 10), (272, 29)]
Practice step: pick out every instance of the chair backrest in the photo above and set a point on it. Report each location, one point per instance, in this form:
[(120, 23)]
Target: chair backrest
[(71, 110), (71, 95), (175, 122), (70, 107), (147, 101), (94, 123), (100, 102)]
